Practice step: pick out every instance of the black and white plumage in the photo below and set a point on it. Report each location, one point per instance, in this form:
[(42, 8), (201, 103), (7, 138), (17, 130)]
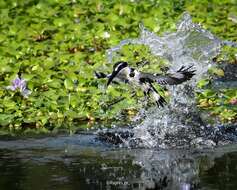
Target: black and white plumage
[(122, 72)]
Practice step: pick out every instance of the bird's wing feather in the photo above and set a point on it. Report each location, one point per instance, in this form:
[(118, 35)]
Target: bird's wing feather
[(182, 75)]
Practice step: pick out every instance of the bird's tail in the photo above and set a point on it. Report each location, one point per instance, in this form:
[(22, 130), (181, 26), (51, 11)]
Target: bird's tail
[(160, 101)]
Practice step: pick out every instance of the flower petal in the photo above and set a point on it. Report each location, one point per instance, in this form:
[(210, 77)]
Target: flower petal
[(26, 93), (13, 88)]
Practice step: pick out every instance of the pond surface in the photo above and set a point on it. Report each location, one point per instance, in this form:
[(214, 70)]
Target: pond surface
[(83, 162)]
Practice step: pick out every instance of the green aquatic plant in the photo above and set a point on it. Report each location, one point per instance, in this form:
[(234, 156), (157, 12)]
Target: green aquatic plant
[(57, 46)]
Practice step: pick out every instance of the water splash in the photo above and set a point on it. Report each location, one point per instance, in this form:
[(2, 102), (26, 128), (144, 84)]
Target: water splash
[(180, 122)]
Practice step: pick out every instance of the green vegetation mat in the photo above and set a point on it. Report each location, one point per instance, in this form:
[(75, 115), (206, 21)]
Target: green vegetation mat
[(56, 46)]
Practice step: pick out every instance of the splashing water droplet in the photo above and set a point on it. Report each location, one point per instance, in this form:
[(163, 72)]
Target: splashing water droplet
[(190, 45)]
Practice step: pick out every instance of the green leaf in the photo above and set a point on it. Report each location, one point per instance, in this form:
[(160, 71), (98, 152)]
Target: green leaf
[(6, 119), (68, 83)]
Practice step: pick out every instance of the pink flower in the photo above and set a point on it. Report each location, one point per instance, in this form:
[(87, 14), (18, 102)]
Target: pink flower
[(233, 101)]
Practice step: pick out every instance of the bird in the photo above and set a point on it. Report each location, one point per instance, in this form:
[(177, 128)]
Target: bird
[(122, 72)]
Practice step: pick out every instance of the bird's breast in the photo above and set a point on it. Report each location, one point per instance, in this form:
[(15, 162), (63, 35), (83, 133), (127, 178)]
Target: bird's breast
[(133, 78)]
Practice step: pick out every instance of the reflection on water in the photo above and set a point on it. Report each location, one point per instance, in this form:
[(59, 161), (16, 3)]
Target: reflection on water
[(223, 173), (77, 163)]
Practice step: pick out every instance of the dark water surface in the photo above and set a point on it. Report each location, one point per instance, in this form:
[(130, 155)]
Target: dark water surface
[(82, 162)]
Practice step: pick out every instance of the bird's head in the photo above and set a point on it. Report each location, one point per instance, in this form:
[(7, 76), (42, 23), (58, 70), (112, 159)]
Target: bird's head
[(116, 69)]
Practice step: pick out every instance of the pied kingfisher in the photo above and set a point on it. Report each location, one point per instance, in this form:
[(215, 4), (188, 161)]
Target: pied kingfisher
[(122, 72)]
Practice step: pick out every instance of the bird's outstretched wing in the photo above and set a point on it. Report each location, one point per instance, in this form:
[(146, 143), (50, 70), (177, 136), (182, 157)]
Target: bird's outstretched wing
[(182, 75)]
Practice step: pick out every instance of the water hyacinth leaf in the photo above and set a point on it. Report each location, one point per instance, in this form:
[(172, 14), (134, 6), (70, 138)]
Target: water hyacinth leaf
[(55, 83), (9, 104), (37, 68), (5, 69), (74, 100), (51, 94), (6, 119), (203, 82), (28, 77), (48, 63), (68, 83), (209, 93), (71, 114), (113, 92), (217, 71)]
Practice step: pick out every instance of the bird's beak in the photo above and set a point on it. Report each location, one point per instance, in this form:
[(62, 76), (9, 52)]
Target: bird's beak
[(112, 76)]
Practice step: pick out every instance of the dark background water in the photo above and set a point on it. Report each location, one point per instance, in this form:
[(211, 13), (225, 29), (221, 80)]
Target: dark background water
[(82, 162)]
